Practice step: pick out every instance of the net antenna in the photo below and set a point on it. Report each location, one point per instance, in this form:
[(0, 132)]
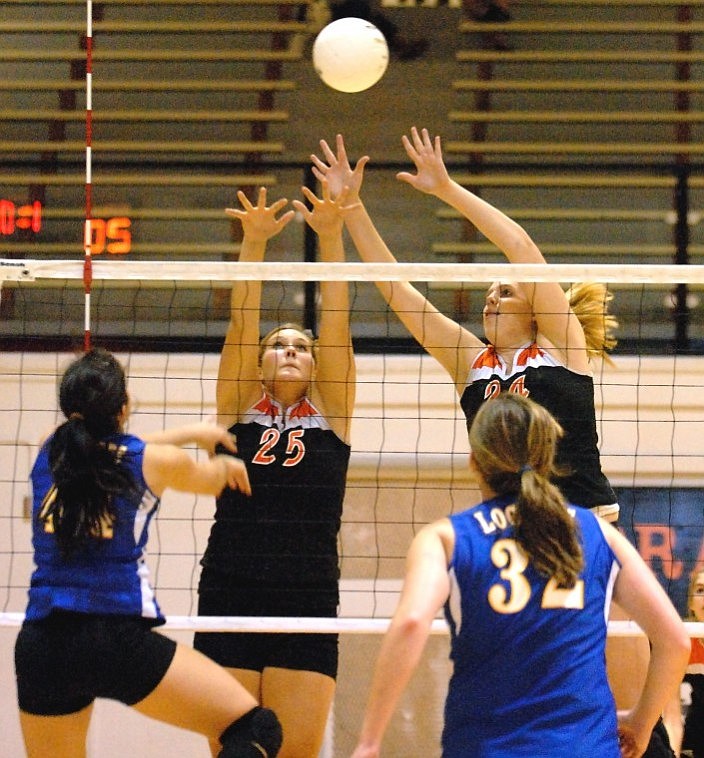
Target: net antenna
[(88, 231)]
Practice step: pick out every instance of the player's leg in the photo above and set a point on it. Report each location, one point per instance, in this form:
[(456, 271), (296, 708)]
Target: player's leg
[(54, 688), (58, 736), (298, 683), (302, 701), (251, 681), (257, 734), (197, 694)]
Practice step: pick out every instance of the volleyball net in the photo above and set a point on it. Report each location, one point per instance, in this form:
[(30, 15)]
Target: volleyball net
[(166, 321)]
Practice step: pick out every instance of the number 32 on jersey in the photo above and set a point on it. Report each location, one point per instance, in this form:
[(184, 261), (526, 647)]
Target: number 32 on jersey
[(507, 556)]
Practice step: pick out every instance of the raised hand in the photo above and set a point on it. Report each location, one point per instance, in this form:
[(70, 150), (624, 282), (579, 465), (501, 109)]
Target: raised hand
[(325, 216), (427, 155), (259, 222), (337, 171)]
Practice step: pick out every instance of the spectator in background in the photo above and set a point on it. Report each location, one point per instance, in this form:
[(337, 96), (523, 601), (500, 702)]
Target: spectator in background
[(692, 741), (320, 13), (403, 47), (490, 12)]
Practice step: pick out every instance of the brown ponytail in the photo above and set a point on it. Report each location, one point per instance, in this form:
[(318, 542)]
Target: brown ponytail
[(513, 442)]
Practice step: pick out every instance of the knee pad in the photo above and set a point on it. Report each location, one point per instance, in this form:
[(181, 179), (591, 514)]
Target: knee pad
[(257, 734)]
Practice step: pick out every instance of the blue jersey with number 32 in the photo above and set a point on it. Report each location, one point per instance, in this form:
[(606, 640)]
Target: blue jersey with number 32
[(529, 673)]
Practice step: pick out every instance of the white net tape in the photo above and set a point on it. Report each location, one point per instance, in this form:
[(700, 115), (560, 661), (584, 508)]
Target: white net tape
[(190, 271), (302, 625)]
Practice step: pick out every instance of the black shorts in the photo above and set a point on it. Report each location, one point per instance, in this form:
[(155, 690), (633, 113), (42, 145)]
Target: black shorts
[(67, 660), (659, 745), (256, 651)]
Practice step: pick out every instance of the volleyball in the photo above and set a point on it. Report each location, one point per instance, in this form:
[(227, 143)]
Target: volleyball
[(350, 54)]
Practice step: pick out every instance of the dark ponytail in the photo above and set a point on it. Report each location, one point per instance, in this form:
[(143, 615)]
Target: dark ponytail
[(513, 441), (87, 474)]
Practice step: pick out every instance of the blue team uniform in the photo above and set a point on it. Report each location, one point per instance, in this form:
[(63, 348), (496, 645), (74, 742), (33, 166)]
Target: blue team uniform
[(529, 673), (108, 576)]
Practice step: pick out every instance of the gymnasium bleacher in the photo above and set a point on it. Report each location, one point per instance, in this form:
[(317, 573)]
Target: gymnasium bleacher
[(177, 88), (587, 130)]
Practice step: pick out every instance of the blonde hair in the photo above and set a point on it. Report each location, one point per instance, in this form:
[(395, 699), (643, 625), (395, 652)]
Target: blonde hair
[(590, 303), (513, 442)]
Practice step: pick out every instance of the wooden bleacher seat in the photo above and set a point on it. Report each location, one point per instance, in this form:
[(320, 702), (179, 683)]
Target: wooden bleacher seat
[(154, 3), (577, 85), (533, 179), (659, 149), (552, 250), (140, 178), (141, 115), (582, 27), (574, 214), (138, 146), (69, 54), (161, 214), (152, 85), (572, 116), (201, 91), (168, 251), (100, 28)]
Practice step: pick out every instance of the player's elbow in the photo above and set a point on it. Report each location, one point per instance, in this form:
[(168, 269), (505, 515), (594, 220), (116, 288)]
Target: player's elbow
[(674, 641), (413, 625), (684, 646)]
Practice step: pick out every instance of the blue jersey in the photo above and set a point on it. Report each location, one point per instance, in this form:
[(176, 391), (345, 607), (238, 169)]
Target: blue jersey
[(108, 574), (529, 674)]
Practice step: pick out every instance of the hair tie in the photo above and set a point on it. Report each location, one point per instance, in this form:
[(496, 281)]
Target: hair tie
[(75, 415), (525, 468)]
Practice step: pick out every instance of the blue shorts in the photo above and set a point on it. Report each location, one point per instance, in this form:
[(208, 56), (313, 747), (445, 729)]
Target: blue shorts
[(66, 660)]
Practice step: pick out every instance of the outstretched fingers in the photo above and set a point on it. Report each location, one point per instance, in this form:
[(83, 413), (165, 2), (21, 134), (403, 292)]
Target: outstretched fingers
[(335, 167), (426, 153), (261, 220), (325, 213)]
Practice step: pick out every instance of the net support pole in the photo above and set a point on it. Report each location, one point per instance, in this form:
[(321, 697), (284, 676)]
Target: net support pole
[(87, 232)]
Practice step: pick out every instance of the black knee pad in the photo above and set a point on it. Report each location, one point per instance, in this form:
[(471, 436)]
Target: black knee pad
[(257, 734)]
